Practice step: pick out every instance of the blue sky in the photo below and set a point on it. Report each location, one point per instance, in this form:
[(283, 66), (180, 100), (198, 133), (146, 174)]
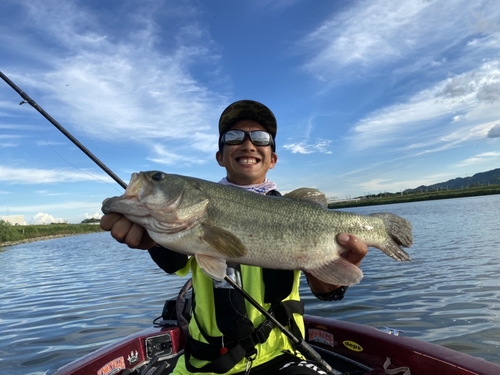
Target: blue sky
[(370, 96)]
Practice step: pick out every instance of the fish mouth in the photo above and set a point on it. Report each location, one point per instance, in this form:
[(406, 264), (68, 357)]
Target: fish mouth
[(134, 185), (137, 187)]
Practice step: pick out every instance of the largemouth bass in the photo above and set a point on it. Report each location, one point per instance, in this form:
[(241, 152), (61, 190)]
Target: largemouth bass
[(218, 223)]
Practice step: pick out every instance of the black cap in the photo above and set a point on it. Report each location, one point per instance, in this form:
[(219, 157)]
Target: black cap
[(248, 109)]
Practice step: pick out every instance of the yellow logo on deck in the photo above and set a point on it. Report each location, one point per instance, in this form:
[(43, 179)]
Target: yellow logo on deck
[(352, 346)]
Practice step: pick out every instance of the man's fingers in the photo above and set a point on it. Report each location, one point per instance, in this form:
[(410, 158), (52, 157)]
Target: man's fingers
[(108, 220), (124, 231), (146, 242), (356, 249), (120, 229), (138, 238)]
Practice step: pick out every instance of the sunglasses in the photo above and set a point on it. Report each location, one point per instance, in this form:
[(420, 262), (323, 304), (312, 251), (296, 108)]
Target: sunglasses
[(236, 137)]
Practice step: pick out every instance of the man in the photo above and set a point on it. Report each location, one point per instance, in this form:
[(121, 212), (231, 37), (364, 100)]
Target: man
[(226, 334)]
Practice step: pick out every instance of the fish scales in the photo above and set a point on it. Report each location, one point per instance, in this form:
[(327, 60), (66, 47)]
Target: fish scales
[(218, 223), (271, 227)]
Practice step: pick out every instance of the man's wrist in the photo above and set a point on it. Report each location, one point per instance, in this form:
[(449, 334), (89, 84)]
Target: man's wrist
[(334, 295)]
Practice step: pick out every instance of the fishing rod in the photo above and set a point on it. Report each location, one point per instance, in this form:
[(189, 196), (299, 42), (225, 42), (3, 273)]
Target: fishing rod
[(75, 141), (299, 344), (302, 346)]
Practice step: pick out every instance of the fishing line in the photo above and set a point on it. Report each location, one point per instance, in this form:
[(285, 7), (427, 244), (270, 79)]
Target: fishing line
[(62, 157), (68, 135), (299, 344), (54, 150)]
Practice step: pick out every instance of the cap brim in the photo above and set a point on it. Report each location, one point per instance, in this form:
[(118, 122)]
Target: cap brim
[(248, 109)]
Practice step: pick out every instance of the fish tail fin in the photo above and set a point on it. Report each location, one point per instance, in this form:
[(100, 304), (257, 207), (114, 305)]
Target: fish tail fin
[(400, 235)]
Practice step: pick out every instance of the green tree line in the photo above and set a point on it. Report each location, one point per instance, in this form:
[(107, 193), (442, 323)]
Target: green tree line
[(402, 197), (13, 233)]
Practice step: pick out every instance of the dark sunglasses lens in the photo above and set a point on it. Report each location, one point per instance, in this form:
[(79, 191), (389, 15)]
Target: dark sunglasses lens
[(234, 137), (260, 138)]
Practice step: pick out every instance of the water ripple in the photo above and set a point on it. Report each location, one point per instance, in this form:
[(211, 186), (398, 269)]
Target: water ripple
[(65, 297)]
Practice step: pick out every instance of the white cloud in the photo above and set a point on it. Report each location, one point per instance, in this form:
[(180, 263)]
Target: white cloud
[(365, 33), (381, 32), (494, 132), (394, 185), (298, 148), (50, 194), (59, 207), (96, 215), (8, 144), (45, 176), (126, 87), (17, 126), (479, 158), (49, 143), (6, 140), (454, 110), (41, 218), (167, 157), (321, 146)]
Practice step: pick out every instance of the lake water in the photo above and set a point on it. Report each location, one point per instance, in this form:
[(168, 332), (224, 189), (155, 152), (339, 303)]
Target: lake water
[(63, 298)]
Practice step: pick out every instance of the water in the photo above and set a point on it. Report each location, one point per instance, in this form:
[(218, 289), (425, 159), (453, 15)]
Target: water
[(65, 297)]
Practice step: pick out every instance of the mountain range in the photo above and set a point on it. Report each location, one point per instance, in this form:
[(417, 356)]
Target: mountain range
[(479, 179)]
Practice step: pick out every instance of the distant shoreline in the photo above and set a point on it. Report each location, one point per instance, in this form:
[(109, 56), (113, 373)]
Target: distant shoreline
[(357, 202), (20, 234), (391, 198), (35, 239)]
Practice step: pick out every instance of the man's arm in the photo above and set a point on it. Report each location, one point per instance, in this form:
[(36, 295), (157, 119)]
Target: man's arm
[(356, 251), (136, 237)]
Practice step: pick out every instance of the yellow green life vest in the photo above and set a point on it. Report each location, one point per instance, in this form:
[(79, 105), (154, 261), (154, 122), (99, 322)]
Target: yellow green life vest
[(226, 331)]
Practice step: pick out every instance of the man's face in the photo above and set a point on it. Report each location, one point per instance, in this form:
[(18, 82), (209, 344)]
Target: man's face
[(246, 164)]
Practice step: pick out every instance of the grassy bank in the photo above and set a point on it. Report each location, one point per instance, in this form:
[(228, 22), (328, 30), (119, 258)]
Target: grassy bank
[(389, 198), (11, 234)]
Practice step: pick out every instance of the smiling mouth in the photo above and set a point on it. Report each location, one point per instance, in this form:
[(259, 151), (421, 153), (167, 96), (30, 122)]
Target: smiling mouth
[(247, 160)]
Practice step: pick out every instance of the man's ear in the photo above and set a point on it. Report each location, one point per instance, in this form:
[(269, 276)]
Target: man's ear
[(219, 158), (274, 160)]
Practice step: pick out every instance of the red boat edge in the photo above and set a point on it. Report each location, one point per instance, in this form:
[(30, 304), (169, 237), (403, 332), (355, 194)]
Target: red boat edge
[(372, 347), (130, 352), (365, 346)]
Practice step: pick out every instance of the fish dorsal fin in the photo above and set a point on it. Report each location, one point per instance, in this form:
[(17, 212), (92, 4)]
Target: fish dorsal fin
[(224, 243), (308, 194), (338, 272), (215, 268)]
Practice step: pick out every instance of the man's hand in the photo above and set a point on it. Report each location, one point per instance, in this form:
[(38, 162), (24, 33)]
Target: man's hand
[(124, 231), (356, 251)]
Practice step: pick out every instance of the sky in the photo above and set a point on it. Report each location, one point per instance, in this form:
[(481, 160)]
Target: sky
[(370, 96)]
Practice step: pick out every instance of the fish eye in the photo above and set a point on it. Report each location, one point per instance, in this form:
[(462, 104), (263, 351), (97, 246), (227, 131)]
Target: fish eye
[(157, 176)]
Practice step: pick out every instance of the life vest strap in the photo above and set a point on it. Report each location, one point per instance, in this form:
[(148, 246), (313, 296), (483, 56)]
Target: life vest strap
[(225, 358)]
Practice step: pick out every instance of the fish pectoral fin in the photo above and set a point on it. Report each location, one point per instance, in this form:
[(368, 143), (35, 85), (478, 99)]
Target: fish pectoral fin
[(223, 242), (338, 272), (308, 194), (215, 268)]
